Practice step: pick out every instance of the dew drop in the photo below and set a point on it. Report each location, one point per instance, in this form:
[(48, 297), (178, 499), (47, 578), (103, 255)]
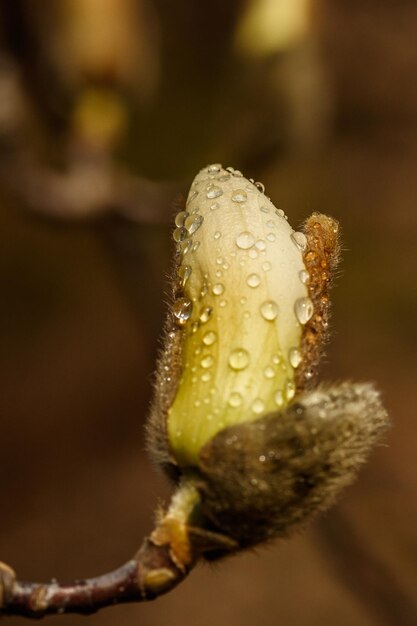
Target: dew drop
[(213, 191), (193, 222), (193, 196), (280, 213), (289, 390), (182, 309), (209, 338), (203, 290), (184, 246), (258, 406), (217, 235), (219, 273), (180, 234), (239, 195), (207, 361), (245, 240), (253, 280), (303, 310), (269, 372), (243, 300), (279, 398), (276, 359), (304, 276), (269, 310), (239, 359), (260, 245), (220, 260), (265, 209), (180, 218), (218, 289), (184, 273), (235, 399), (295, 357), (271, 236), (224, 178), (205, 314), (253, 254), (223, 303), (266, 266), (271, 224), (260, 186), (194, 327), (300, 240), (205, 377), (214, 168), (214, 206)]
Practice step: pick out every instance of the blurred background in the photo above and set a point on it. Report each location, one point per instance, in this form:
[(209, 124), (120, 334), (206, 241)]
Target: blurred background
[(108, 108)]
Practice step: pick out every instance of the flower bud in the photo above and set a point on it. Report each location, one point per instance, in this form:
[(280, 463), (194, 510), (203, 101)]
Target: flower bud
[(242, 302)]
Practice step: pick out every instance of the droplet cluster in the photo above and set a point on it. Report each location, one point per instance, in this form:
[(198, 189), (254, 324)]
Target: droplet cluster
[(238, 361)]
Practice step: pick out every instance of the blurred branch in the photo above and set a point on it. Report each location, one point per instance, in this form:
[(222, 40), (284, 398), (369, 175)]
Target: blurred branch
[(90, 188)]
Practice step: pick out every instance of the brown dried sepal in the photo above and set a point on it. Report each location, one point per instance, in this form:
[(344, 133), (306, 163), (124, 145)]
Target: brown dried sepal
[(321, 258)]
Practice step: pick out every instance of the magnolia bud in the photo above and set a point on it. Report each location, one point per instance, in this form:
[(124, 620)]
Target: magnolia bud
[(232, 411)]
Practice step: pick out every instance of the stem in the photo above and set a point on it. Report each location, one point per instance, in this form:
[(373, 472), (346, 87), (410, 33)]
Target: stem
[(163, 561)]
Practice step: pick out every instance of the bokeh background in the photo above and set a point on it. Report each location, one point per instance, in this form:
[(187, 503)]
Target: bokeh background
[(108, 108)]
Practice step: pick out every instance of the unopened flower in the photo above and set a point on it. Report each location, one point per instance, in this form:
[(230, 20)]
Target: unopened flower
[(233, 413)]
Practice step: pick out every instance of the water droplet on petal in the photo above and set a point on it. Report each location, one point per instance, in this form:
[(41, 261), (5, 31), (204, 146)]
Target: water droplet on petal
[(289, 390), (223, 303), (260, 186), (261, 245), (193, 196), (196, 246), (269, 310), (218, 289), (184, 272), (271, 224), (265, 209), (295, 357), (266, 266), (217, 235), (214, 206), (224, 178), (205, 314), (193, 222), (269, 372), (253, 254), (276, 359), (279, 398), (245, 240), (207, 361), (303, 310), (180, 234), (205, 377), (258, 406), (235, 399), (180, 218), (184, 246), (239, 195), (213, 191), (300, 240), (239, 359), (253, 280), (280, 213), (209, 338), (214, 168), (182, 309), (304, 276), (271, 236)]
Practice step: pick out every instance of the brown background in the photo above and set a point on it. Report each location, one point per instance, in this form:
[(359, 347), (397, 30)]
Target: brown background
[(328, 123)]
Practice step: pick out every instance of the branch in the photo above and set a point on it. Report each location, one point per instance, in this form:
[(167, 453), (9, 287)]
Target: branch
[(149, 574), (163, 561)]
